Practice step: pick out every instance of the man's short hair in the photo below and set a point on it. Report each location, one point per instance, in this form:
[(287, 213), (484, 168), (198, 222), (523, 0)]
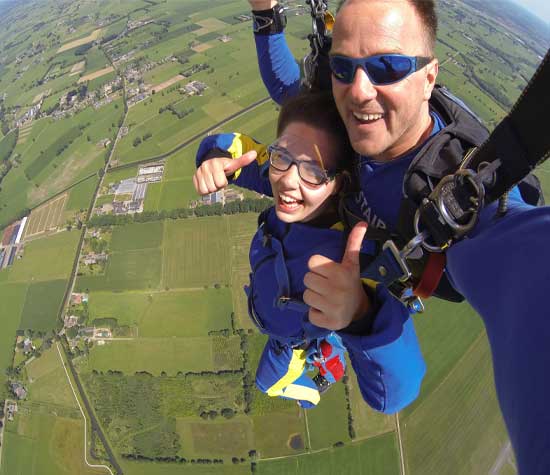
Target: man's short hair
[(425, 9)]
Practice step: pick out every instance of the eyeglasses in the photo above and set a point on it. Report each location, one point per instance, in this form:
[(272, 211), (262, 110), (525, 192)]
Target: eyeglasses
[(382, 69), (309, 171)]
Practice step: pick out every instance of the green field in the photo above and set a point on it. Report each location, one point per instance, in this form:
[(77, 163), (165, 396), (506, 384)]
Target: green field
[(466, 432), (164, 314), (376, 456), (195, 253), (170, 355), (80, 196), (50, 258), (42, 444), (12, 297), (42, 305), (134, 237)]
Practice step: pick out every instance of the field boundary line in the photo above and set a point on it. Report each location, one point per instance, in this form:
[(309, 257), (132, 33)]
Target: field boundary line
[(401, 454), (83, 415)]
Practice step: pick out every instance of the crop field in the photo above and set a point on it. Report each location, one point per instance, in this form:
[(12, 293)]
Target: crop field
[(195, 253), (42, 444), (445, 332), (47, 167), (466, 431), (49, 383), (171, 355), (328, 422), (366, 421), (137, 236), (273, 439), (165, 314), (157, 468), (241, 230), (49, 258), (42, 305), (81, 195), (376, 456), (46, 217), (128, 270), (219, 438), (12, 297)]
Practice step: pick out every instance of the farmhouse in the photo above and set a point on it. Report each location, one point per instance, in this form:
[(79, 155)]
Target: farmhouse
[(70, 321), (28, 346), (18, 390)]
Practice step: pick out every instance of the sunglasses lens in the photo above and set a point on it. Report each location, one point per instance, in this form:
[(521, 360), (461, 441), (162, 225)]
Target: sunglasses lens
[(342, 68), (382, 69), (387, 69)]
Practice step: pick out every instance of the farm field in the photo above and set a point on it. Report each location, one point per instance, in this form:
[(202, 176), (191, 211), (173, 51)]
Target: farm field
[(46, 217), (12, 297), (49, 258), (375, 456), (169, 355), (165, 314)]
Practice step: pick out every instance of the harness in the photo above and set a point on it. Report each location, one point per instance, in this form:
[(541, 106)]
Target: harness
[(273, 254)]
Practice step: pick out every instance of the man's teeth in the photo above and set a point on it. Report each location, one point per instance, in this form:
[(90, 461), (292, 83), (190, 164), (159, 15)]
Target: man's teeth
[(367, 116)]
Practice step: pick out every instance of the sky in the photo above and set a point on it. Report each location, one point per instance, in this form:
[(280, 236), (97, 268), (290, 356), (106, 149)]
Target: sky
[(541, 8)]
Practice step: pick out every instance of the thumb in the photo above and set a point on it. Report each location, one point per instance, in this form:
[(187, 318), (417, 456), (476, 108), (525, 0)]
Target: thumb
[(244, 160), (353, 246)]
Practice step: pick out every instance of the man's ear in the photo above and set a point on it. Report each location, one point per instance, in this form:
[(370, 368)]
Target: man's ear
[(432, 69), (342, 181)]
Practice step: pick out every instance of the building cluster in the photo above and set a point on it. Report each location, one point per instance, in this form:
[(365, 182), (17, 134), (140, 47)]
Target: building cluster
[(194, 88), (30, 115), (18, 390), (10, 246), (129, 194), (227, 195)]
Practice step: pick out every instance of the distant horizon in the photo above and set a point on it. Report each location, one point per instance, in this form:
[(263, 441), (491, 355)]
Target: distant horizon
[(539, 8)]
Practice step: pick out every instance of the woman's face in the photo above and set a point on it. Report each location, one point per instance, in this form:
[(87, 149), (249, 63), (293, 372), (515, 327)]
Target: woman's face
[(295, 199)]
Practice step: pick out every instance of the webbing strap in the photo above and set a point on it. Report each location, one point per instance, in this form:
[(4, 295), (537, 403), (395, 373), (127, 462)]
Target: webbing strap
[(431, 276)]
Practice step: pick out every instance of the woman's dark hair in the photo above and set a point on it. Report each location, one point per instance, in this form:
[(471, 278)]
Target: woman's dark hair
[(318, 110)]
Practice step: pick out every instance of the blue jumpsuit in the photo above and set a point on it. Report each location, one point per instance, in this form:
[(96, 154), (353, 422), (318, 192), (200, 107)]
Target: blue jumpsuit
[(503, 271), (388, 363)]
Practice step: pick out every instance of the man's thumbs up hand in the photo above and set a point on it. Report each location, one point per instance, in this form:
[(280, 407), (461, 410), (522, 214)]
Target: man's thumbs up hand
[(212, 175), (333, 289)]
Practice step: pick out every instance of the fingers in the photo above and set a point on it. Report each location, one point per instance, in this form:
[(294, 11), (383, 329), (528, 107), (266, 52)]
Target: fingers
[(210, 176), (320, 319), (241, 162), (353, 246), (317, 283)]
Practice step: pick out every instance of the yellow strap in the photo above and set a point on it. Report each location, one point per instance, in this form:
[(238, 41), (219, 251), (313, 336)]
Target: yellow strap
[(295, 391), (295, 369)]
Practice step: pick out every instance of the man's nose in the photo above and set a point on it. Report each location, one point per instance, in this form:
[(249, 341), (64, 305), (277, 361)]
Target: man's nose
[(362, 89)]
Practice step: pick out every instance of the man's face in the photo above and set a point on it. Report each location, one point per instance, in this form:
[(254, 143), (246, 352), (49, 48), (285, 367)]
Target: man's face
[(383, 121)]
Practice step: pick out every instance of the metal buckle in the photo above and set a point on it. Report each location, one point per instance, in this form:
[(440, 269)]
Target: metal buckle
[(399, 258)]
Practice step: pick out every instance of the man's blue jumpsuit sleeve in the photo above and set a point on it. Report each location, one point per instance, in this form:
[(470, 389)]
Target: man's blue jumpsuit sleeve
[(504, 273), (280, 72), (388, 362)]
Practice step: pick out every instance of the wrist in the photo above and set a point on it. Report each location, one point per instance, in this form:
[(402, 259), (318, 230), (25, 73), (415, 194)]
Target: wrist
[(269, 21)]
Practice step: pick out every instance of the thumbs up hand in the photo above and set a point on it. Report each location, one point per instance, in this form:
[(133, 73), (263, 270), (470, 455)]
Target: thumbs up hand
[(333, 289), (212, 175)]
